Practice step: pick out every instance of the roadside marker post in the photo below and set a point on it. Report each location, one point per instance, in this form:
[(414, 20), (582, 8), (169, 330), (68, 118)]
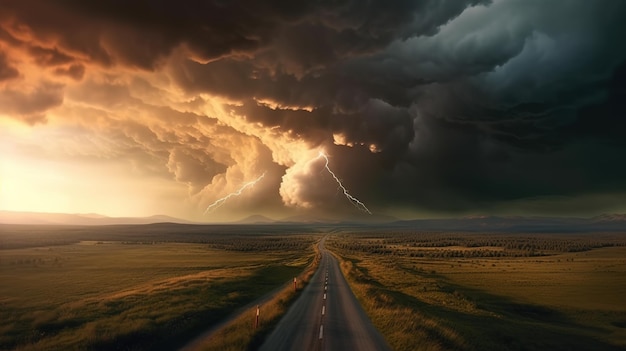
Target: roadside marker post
[(258, 312), (295, 284)]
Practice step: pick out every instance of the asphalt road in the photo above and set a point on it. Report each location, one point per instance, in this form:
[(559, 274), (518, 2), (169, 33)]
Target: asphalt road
[(326, 316)]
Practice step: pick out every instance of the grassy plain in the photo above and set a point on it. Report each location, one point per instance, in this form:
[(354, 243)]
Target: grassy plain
[(442, 294), (146, 288), (237, 335)]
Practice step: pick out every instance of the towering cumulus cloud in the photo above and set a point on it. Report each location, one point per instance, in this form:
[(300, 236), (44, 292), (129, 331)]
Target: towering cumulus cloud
[(424, 107)]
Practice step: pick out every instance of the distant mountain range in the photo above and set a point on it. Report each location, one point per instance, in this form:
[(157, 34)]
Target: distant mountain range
[(255, 219), (605, 222), (11, 217)]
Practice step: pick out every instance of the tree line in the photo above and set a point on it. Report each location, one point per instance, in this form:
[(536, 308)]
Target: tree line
[(473, 245)]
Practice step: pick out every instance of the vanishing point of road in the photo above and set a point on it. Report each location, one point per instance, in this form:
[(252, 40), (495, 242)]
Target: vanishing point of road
[(326, 316)]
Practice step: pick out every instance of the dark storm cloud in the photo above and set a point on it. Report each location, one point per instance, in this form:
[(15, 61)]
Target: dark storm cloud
[(140, 33), (302, 34), (31, 105), (513, 100), (605, 120), (7, 71), (49, 57), (75, 71), (453, 167), (466, 103)]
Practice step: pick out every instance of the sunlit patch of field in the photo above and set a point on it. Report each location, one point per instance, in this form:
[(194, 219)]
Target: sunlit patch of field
[(102, 295), (592, 280), (99, 271), (561, 300)]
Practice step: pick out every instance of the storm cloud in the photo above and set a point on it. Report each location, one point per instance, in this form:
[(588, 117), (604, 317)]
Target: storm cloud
[(424, 107)]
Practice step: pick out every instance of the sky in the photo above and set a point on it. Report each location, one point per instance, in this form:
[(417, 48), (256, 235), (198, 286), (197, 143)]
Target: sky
[(422, 108)]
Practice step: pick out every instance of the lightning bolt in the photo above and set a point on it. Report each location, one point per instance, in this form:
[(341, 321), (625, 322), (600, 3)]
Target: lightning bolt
[(353, 200), (219, 202)]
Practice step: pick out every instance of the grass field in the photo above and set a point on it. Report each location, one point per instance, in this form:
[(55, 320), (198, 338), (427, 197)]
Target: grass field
[(157, 287), (555, 300), (131, 295), (237, 335)]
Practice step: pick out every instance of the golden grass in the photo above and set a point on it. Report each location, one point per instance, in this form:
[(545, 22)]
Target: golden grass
[(59, 274), (564, 301), (112, 295), (404, 328), (241, 334), (591, 280)]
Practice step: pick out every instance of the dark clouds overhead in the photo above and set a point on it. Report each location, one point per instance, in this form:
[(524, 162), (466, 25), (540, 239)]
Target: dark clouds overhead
[(30, 105), (7, 71), (444, 105)]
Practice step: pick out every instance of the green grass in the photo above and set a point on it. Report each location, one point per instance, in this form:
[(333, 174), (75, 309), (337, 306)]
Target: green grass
[(565, 301), (111, 295)]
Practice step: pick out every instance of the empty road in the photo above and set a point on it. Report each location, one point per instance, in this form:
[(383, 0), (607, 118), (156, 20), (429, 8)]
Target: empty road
[(326, 316)]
